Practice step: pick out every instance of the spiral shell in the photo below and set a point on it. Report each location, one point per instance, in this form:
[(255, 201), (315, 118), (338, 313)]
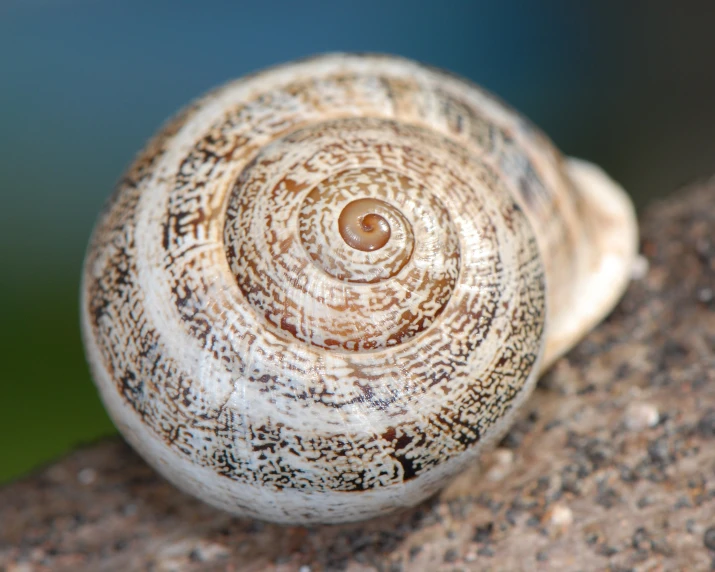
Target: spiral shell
[(321, 289)]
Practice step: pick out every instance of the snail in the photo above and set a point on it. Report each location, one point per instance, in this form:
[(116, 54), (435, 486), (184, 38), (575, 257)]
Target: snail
[(323, 288)]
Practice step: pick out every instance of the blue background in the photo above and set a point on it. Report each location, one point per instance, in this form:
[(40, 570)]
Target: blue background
[(85, 82)]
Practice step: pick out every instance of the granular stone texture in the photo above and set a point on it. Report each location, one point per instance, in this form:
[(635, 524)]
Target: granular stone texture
[(611, 465)]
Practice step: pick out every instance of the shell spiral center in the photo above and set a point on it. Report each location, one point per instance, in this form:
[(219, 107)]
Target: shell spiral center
[(362, 228), (338, 236)]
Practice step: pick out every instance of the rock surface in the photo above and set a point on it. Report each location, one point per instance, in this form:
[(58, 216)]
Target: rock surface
[(611, 466)]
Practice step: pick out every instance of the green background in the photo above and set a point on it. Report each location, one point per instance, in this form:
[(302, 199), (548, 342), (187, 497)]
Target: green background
[(85, 83)]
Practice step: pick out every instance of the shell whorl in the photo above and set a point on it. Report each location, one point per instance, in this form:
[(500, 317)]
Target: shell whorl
[(323, 280)]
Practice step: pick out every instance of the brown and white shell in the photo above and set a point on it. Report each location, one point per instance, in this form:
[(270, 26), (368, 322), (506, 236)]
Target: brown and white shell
[(323, 288)]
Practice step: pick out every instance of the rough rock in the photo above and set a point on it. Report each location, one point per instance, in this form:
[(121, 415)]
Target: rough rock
[(610, 467)]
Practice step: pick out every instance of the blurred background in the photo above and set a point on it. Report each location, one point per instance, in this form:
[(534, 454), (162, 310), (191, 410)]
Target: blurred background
[(84, 83)]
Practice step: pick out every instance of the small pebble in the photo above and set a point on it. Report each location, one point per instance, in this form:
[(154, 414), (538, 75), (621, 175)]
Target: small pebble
[(709, 538), (641, 415), (607, 551), (87, 476), (130, 509), (486, 551), (644, 501), (561, 515), (452, 555), (706, 425), (641, 540), (639, 269), (483, 534), (503, 461), (705, 295), (208, 551)]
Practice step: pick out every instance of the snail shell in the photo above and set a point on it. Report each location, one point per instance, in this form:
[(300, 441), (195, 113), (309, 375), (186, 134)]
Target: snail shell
[(323, 288)]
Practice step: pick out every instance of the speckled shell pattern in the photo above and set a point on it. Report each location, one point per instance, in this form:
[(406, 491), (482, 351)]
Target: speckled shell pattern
[(260, 361)]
